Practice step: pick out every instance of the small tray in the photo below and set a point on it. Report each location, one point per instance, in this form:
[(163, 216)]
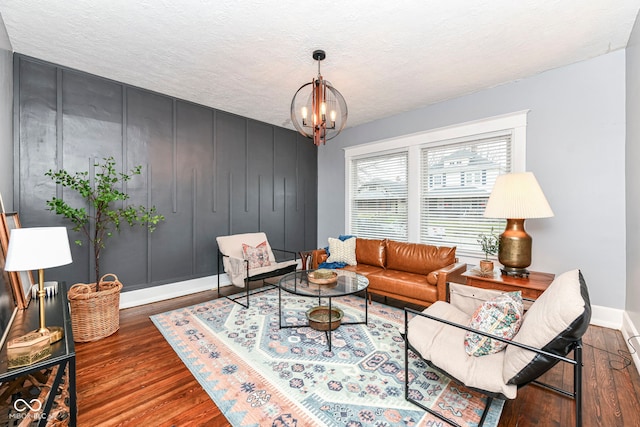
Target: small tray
[(322, 281)]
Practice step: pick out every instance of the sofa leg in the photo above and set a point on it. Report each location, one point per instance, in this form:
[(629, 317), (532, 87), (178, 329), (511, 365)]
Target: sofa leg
[(370, 300)]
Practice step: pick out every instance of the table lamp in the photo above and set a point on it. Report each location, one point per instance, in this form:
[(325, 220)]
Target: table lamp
[(516, 197), (36, 249)]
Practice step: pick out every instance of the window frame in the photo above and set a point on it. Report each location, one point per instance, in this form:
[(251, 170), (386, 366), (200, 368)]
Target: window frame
[(515, 122)]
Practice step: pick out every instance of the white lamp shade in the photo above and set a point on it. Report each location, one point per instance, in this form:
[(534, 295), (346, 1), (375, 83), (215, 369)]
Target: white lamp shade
[(517, 196), (38, 247)]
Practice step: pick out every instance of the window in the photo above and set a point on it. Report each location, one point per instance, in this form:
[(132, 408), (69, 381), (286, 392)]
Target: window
[(432, 187), (451, 209), (379, 196)]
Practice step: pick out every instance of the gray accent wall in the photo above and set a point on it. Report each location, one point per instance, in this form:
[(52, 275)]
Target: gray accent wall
[(6, 118), (575, 147), (633, 175), (208, 172), (7, 304)]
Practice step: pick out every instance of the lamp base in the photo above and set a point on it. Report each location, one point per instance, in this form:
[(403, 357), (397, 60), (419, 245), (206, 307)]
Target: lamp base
[(28, 349), (56, 333), (514, 272)]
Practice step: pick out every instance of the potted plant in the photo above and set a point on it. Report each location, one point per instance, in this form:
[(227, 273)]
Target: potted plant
[(490, 244), (98, 220)]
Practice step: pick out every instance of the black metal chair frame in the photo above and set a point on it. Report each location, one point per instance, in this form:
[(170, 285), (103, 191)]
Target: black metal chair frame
[(576, 346), (263, 276)]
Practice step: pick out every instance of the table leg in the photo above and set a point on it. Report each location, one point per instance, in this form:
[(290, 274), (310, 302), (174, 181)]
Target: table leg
[(329, 332), (280, 306), (366, 307), (73, 408)]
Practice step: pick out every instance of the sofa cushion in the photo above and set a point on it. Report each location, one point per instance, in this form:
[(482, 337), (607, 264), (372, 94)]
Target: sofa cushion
[(342, 251), (559, 317), (364, 269), (418, 258), (410, 285), (371, 252), (441, 344)]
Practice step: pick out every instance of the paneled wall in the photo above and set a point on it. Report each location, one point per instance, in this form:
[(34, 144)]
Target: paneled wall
[(208, 172)]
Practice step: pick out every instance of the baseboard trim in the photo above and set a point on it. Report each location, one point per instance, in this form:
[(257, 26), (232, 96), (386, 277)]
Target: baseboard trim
[(630, 330), (606, 317), (171, 290)]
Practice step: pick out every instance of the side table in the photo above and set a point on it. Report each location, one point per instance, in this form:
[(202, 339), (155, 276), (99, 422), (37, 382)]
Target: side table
[(531, 287), (63, 355)]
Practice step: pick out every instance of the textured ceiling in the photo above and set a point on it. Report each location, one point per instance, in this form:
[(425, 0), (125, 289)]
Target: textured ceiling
[(250, 57)]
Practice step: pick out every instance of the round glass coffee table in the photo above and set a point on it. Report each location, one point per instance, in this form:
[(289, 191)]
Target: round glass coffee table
[(346, 283)]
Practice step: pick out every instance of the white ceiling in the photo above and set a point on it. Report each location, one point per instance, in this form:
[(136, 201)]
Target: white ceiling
[(250, 57)]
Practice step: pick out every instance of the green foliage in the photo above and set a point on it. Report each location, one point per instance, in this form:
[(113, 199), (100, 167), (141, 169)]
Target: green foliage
[(103, 218), (490, 244)]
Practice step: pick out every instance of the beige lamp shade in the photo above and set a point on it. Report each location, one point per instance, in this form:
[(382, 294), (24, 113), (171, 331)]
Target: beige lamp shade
[(517, 195), (38, 248)]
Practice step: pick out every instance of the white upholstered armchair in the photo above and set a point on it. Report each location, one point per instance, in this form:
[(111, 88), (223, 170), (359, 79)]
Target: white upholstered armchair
[(248, 257), (443, 336)]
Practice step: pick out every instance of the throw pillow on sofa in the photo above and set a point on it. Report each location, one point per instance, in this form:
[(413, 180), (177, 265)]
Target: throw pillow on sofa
[(500, 316), (342, 251)]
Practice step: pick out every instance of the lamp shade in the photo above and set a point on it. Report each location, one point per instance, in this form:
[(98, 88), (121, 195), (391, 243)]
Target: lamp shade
[(517, 195), (38, 248)]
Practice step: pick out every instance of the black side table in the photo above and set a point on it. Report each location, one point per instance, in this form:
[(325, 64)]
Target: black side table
[(63, 354)]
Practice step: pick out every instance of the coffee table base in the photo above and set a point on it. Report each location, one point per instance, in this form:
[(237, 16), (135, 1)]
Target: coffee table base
[(327, 332)]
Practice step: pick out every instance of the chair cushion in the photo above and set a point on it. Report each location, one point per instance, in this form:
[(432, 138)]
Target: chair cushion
[(442, 345), (232, 245), (500, 316), (257, 256), (559, 317), (342, 251)]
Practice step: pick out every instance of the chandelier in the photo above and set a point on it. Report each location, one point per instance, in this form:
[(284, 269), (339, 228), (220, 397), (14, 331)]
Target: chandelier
[(318, 110)]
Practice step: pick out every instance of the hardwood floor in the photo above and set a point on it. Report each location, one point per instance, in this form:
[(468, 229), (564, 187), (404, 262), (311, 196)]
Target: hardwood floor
[(134, 378)]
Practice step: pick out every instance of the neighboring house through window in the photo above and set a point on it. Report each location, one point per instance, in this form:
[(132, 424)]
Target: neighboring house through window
[(432, 187)]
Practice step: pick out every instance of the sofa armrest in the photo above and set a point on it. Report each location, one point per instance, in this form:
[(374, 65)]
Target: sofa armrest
[(444, 275), (318, 257)]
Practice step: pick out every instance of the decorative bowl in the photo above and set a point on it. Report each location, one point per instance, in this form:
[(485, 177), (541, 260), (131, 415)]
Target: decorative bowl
[(319, 318), (323, 279)]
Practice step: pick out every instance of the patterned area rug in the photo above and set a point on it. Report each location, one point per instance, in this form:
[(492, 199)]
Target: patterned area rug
[(261, 375)]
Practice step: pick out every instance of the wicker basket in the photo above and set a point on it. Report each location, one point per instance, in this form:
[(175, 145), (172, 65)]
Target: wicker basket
[(95, 314)]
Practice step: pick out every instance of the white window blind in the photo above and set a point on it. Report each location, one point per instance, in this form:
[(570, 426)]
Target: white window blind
[(378, 196), (456, 181)]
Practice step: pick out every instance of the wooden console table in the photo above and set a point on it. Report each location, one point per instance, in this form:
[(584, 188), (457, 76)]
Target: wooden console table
[(530, 287), (63, 353)]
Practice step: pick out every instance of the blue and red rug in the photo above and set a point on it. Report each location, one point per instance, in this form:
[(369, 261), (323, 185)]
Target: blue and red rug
[(261, 375)]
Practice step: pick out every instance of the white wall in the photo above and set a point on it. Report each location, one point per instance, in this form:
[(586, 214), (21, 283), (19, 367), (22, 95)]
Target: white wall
[(6, 118), (575, 146), (633, 176)]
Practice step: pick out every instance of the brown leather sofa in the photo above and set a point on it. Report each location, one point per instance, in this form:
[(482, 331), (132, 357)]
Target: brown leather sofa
[(410, 272)]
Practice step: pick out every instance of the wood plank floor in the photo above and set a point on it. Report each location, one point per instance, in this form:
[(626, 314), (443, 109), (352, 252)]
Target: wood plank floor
[(133, 378)]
